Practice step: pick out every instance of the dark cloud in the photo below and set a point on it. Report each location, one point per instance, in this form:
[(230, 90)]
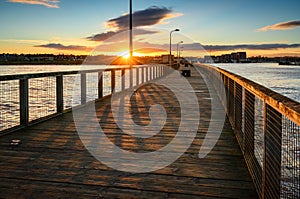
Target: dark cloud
[(63, 47), (150, 16), (282, 26), (107, 35), (102, 36), (147, 17)]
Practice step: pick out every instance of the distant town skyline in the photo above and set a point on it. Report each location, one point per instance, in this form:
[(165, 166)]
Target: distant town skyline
[(266, 28)]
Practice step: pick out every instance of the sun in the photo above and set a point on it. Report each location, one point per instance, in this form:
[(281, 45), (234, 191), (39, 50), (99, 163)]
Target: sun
[(126, 55)]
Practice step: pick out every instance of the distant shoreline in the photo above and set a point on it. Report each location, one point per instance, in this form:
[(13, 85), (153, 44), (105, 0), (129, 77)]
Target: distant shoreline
[(42, 63)]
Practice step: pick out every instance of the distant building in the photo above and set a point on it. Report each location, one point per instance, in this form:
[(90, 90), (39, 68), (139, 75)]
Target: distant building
[(165, 58), (241, 56), (226, 58), (234, 57)]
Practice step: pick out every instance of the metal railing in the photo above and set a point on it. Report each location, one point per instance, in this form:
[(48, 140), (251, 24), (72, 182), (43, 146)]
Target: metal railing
[(267, 127), (26, 99)]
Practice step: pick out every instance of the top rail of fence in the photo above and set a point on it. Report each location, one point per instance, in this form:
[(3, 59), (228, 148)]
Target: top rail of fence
[(71, 72)]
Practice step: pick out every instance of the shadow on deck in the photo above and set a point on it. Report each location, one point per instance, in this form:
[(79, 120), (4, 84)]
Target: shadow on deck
[(52, 162)]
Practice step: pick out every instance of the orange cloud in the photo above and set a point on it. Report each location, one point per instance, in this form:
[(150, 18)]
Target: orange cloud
[(170, 16), (47, 3), (282, 26)]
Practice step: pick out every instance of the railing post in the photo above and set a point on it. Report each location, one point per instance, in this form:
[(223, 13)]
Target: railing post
[(100, 85), (131, 77), (59, 94), (83, 87), (143, 74), (113, 81), (151, 73), (231, 102), (249, 118), (24, 104), (137, 76), (159, 70), (123, 79), (272, 153), (147, 77)]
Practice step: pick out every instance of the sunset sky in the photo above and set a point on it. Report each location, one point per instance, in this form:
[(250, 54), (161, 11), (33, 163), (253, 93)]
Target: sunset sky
[(267, 28)]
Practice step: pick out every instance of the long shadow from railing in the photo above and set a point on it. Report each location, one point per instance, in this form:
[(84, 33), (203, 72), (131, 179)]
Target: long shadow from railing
[(267, 127)]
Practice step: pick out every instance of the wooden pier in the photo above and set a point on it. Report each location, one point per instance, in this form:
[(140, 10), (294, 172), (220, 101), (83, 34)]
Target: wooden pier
[(52, 162)]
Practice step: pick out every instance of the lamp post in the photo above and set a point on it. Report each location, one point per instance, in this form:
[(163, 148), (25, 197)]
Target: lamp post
[(170, 57), (178, 53), (130, 44), (130, 34), (181, 48)]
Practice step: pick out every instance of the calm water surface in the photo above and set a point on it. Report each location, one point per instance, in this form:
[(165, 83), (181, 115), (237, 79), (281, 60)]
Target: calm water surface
[(25, 69)]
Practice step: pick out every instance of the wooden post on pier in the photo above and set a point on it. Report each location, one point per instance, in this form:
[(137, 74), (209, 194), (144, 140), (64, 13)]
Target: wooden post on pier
[(59, 94), (100, 85), (123, 79), (24, 104), (137, 76), (113, 81), (83, 87), (143, 75)]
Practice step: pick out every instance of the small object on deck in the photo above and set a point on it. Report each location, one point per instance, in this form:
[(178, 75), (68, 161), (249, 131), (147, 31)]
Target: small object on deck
[(15, 142), (185, 69)]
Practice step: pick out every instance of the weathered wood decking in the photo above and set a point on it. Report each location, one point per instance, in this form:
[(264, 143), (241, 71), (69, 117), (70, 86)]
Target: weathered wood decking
[(51, 161)]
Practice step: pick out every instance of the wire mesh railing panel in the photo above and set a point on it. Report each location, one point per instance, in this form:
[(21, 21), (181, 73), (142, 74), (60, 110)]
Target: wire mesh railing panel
[(127, 79), (9, 104), (290, 162), (91, 86), (238, 112), (42, 97), (134, 70), (259, 130), (71, 91), (118, 87), (106, 83)]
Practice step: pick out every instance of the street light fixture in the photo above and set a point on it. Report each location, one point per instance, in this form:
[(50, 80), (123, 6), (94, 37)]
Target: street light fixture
[(170, 57), (178, 53)]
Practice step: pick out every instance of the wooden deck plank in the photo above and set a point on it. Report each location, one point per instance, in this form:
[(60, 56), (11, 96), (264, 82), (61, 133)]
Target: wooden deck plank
[(52, 162)]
